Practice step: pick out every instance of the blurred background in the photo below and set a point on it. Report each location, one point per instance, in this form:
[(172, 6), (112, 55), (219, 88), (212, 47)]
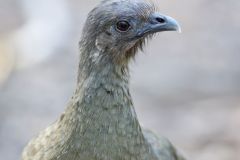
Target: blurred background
[(185, 86)]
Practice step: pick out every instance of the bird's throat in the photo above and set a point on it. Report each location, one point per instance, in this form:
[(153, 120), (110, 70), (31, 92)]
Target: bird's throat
[(101, 116)]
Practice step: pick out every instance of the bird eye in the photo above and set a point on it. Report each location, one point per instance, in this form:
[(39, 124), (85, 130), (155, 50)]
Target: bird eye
[(160, 20), (123, 26)]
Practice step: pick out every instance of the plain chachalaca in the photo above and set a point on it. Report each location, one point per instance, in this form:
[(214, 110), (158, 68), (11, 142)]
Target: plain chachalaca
[(100, 122)]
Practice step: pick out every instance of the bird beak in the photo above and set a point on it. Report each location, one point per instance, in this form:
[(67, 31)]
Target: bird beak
[(159, 23), (171, 25)]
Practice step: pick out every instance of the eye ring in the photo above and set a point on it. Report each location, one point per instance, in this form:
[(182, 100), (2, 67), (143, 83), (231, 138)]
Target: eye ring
[(123, 26)]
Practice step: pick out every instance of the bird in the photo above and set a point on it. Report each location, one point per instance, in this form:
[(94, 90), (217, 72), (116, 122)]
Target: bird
[(100, 122)]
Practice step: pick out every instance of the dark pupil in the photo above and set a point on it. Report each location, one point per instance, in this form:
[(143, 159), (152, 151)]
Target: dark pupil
[(123, 25)]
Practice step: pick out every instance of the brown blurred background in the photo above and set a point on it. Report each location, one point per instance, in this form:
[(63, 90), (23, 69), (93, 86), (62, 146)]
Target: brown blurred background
[(186, 86)]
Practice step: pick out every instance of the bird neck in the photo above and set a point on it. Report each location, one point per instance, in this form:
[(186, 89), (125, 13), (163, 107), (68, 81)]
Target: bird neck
[(101, 116)]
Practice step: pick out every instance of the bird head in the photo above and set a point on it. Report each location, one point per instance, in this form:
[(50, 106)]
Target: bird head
[(118, 28)]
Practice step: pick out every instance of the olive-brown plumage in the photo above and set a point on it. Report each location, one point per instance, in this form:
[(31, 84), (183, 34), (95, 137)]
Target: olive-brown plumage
[(100, 122)]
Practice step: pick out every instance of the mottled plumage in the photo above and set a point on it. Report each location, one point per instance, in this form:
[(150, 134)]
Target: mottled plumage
[(100, 122)]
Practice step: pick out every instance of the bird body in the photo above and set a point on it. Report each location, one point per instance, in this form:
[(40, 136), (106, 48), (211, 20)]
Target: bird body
[(100, 122)]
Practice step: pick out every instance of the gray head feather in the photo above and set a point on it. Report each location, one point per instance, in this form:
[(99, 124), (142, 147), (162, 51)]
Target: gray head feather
[(137, 20)]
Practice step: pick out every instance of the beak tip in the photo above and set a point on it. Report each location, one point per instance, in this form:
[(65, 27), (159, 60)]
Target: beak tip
[(173, 23), (179, 29)]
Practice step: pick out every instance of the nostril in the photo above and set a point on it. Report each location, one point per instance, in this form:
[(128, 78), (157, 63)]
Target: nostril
[(160, 20)]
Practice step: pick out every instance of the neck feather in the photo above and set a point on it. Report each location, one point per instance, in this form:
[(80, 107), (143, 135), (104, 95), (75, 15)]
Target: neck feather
[(101, 116)]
